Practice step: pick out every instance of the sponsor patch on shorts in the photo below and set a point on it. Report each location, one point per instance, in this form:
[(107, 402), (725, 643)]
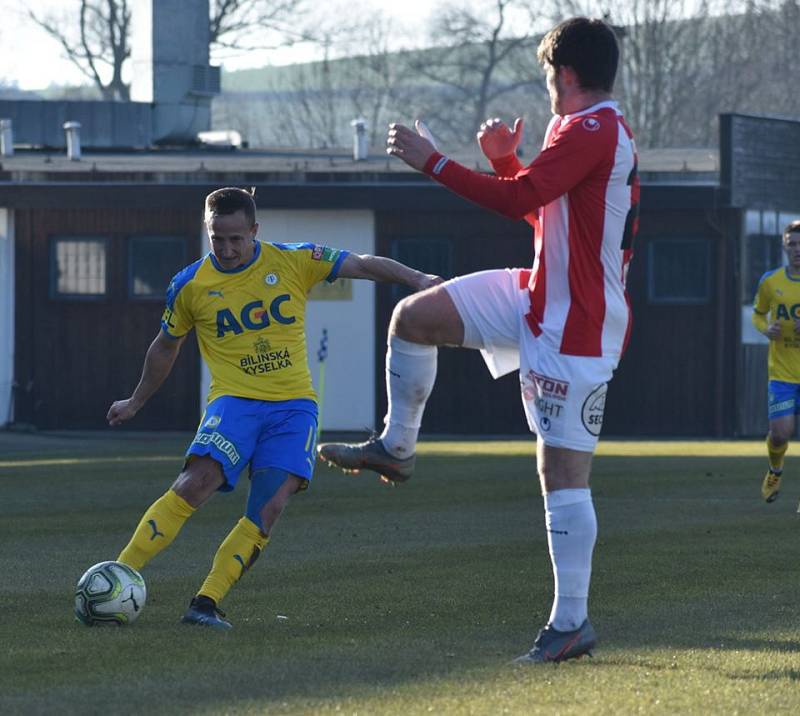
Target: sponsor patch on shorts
[(593, 408), (225, 446), (783, 405)]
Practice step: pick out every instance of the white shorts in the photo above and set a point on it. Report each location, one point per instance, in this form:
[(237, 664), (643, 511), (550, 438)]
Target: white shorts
[(564, 396)]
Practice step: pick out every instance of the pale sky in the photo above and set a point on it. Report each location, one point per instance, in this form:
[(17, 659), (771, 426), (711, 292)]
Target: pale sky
[(32, 60)]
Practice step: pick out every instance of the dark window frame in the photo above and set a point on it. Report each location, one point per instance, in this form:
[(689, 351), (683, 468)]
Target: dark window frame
[(54, 293), (152, 238), (673, 300)]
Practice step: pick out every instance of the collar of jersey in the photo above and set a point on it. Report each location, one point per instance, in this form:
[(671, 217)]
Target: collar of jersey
[(605, 104), (786, 273), (238, 269)]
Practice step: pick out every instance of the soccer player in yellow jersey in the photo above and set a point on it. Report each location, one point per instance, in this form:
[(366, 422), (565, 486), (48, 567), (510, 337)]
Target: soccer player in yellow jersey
[(246, 300), (777, 315)]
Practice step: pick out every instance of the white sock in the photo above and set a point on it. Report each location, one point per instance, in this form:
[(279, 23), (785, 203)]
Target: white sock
[(571, 533), (410, 374)]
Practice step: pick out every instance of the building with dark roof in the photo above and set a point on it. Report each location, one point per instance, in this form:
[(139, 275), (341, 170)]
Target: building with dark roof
[(89, 246)]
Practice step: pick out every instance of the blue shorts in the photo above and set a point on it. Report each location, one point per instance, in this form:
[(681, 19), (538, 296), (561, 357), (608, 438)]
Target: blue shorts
[(237, 431), (783, 399)]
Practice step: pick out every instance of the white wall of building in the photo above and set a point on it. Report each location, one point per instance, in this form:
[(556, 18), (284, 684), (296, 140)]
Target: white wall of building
[(349, 399), (6, 315)]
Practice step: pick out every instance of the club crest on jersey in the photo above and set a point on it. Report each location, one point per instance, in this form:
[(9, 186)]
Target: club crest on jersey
[(316, 254), (271, 279), (590, 124)]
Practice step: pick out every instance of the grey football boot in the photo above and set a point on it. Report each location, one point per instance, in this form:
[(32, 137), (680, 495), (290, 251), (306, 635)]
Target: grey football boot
[(553, 645), (369, 455)]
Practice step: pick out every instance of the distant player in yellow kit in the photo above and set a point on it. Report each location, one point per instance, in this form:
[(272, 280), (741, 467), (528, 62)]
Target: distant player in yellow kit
[(777, 315), (246, 301)]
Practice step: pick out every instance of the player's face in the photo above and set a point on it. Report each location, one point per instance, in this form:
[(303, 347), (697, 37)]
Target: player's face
[(555, 89), (791, 245), (232, 238)]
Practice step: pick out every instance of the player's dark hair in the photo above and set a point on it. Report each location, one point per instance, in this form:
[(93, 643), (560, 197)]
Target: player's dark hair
[(589, 47), (791, 228), (229, 200)]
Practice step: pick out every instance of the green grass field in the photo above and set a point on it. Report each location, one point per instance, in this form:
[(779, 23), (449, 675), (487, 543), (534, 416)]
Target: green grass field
[(407, 600)]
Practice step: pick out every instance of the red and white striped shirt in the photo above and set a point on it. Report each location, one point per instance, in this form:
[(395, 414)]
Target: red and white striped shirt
[(581, 194)]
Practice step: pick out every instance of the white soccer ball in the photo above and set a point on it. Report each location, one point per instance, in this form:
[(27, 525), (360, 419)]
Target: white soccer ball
[(109, 593)]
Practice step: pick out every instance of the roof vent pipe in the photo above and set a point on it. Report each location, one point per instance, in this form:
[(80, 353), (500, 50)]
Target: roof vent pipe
[(6, 138), (73, 130), (360, 142)]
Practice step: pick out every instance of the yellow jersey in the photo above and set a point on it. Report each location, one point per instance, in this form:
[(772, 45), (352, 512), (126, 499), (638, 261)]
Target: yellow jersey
[(250, 321), (778, 299)]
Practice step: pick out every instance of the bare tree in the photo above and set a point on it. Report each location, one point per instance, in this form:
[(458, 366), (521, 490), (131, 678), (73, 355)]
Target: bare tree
[(256, 24), (371, 74), (683, 62), (312, 104), (727, 75), (99, 46), (776, 23), (483, 60), (659, 40)]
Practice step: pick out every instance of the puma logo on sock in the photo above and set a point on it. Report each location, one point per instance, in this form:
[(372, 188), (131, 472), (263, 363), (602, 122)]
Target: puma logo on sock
[(156, 533)]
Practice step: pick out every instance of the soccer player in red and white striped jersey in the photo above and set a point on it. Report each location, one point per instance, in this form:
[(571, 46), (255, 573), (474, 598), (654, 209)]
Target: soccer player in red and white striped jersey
[(563, 323)]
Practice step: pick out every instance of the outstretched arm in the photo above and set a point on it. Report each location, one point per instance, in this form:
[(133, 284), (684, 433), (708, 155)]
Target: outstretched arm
[(511, 196), (158, 363), (379, 268)]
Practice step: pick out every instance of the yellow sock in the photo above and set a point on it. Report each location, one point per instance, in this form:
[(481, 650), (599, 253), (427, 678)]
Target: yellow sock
[(776, 455), (235, 556), (156, 530)]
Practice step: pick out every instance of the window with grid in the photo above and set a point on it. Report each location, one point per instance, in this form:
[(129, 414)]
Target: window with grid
[(78, 267)]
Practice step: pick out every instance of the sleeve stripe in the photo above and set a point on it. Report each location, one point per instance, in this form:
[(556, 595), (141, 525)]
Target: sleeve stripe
[(335, 270), (767, 274), (437, 168), (295, 246), (166, 332), (180, 280)]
